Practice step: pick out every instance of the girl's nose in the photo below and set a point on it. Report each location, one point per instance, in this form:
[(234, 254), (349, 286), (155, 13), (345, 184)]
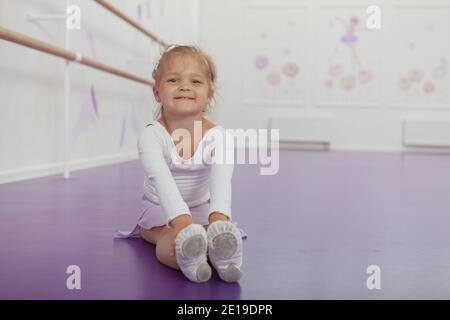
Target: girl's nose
[(184, 85), (184, 88)]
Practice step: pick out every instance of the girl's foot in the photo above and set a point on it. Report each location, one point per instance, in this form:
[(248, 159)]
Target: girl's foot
[(225, 250), (190, 251)]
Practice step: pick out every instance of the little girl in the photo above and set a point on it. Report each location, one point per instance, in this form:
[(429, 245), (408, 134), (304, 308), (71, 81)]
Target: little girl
[(187, 200)]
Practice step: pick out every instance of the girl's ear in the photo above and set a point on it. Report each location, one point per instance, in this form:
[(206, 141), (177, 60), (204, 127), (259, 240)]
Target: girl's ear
[(156, 93)]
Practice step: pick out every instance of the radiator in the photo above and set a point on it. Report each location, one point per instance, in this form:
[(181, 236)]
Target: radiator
[(426, 133), (305, 129)]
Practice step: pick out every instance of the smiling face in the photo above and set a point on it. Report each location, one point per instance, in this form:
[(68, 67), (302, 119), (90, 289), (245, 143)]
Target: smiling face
[(183, 88)]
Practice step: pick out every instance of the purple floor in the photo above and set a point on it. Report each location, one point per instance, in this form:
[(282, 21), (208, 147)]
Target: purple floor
[(313, 228)]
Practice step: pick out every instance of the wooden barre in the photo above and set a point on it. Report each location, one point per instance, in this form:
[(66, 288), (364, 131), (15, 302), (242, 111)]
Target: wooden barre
[(32, 43), (122, 16)]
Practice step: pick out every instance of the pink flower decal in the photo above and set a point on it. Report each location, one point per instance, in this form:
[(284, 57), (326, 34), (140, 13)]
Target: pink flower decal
[(404, 83), (348, 83), (273, 78), (428, 87), (335, 70), (291, 69), (328, 83), (415, 75), (365, 76)]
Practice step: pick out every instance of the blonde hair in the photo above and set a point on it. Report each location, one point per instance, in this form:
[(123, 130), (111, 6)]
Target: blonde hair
[(201, 56)]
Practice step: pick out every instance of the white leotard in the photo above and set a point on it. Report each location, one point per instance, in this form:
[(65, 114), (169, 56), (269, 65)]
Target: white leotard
[(176, 183)]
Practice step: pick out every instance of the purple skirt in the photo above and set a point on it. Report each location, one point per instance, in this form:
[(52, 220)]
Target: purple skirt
[(153, 215)]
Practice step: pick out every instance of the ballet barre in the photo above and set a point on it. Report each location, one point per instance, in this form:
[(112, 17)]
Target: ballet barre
[(136, 25), (77, 57), (39, 45), (68, 55)]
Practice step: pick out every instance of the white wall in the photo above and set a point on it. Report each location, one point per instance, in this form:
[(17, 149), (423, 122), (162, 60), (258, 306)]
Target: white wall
[(32, 83), (370, 116)]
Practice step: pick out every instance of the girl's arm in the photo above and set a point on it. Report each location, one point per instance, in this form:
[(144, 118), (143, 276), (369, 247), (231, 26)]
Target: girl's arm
[(156, 169), (220, 179)]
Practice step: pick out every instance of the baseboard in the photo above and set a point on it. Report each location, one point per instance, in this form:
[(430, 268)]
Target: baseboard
[(289, 145), (402, 149), (365, 149), (57, 168)]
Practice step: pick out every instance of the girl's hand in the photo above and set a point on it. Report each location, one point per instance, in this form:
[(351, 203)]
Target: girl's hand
[(175, 231), (172, 248), (178, 224)]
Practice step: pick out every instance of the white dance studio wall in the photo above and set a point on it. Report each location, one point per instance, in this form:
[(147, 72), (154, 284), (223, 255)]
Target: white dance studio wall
[(107, 112), (313, 69)]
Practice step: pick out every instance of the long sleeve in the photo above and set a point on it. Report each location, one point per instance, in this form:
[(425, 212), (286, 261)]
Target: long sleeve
[(221, 174), (156, 169)]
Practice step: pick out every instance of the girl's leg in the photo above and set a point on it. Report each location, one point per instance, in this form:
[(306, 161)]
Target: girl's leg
[(162, 237), (181, 247), (153, 234)]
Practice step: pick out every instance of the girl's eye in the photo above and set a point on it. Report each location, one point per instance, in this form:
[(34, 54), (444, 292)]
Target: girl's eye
[(175, 80)]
